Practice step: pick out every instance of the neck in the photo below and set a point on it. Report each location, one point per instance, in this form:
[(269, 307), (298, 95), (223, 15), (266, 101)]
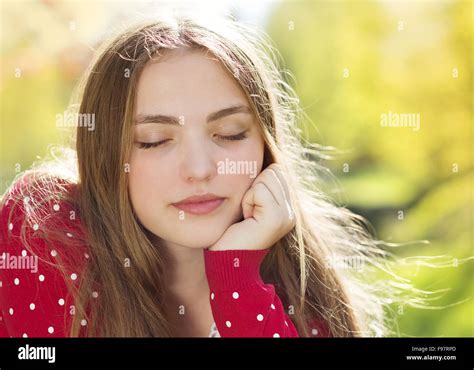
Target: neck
[(187, 304), (187, 282)]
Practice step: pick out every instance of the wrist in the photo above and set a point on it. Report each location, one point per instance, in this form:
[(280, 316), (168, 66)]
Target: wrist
[(231, 269)]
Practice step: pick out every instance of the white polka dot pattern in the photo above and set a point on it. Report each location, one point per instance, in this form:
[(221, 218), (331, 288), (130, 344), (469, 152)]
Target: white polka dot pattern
[(39, 301), (38, 297)]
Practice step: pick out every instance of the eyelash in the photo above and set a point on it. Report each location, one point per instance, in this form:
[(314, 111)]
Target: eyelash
[(150, 145), (240, 136)]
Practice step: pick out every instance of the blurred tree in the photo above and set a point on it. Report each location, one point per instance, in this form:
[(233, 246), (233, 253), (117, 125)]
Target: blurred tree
[(354, 62)]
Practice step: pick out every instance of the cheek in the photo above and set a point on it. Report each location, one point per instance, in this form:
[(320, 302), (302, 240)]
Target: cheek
[(248, 156), (146, 180), (250, 153)]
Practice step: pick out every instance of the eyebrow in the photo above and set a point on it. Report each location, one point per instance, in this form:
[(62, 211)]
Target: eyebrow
[(171, 120)]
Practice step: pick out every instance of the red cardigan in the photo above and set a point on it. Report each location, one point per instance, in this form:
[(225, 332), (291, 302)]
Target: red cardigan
[(35, 301)]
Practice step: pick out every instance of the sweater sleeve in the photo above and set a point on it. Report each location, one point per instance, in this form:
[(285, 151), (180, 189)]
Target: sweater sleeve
[(34, 297), (242, 304)]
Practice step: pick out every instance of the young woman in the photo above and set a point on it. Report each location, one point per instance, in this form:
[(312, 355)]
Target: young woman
[(188, 209)]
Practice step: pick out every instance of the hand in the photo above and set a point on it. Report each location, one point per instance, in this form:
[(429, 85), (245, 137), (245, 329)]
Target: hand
[(267, 212)]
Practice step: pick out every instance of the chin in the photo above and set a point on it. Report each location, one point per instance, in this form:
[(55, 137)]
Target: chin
[(196, 238), (200, 241)]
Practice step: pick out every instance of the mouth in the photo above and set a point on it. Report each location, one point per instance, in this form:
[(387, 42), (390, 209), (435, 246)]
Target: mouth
[(200, 204)]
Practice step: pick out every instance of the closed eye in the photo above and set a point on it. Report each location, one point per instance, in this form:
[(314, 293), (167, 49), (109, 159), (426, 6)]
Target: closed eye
[(142, 145), (240, 136)]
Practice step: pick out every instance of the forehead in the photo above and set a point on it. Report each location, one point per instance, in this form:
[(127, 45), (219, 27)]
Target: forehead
[(188, 82)]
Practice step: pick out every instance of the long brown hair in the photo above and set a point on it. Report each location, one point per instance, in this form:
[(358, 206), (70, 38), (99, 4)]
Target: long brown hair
[(127, 262)]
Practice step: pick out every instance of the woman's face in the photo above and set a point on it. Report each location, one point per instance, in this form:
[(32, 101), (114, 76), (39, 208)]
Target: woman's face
[(194, 135)]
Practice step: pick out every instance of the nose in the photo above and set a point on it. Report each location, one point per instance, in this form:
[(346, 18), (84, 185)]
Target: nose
[(197, 161)]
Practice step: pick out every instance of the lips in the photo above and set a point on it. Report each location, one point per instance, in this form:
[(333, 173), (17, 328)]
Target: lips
[(199, 204)]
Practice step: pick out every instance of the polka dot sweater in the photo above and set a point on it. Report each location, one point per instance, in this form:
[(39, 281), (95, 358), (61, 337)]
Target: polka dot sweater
[(35, 299)]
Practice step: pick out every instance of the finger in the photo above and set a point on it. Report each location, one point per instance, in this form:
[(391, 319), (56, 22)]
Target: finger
[(276, 168), (276, 171), (270, 180), (247, 203), (257, 199)]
